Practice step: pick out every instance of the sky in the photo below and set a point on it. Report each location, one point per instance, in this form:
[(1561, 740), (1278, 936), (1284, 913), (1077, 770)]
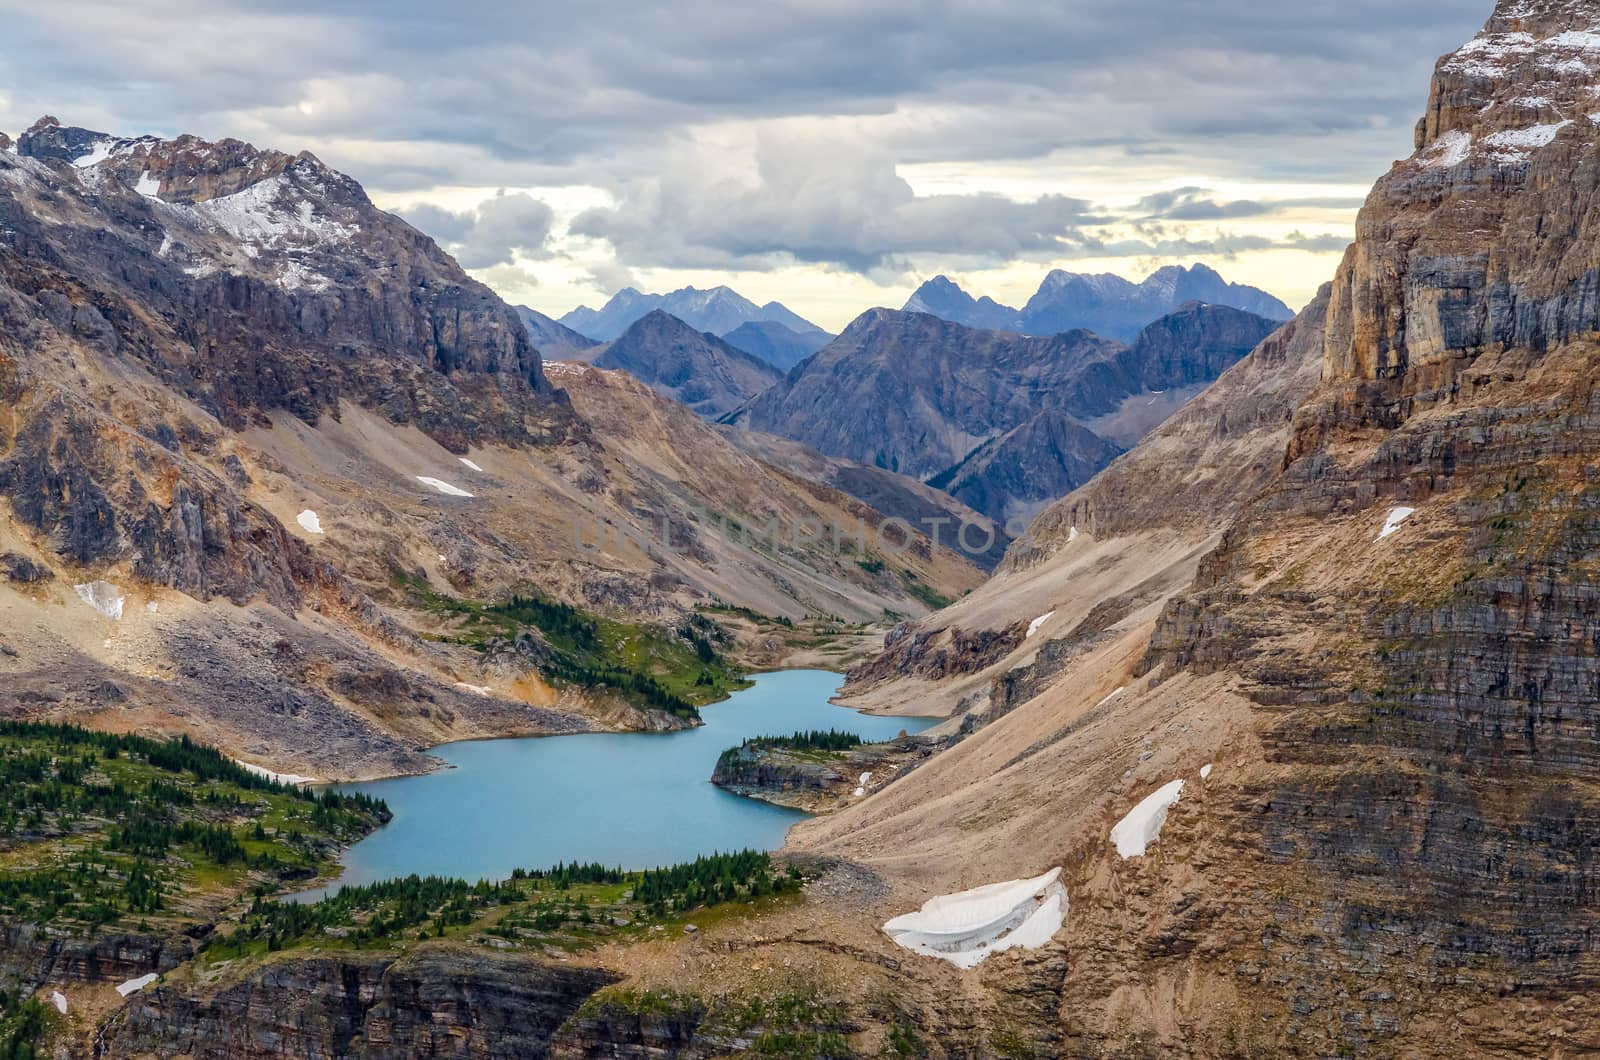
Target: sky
[(830, 154)]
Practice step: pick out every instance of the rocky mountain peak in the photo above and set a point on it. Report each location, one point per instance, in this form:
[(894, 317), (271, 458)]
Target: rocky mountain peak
[(1488, 236)]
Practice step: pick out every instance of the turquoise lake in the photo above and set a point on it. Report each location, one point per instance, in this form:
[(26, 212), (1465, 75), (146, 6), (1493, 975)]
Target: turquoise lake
[(631, 799)]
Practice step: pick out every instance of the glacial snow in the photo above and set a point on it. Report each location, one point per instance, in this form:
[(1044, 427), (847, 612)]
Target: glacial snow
[(966, 927), (1397, 517), (443, 487), (133, 986), (281, 778), (1142, 826)]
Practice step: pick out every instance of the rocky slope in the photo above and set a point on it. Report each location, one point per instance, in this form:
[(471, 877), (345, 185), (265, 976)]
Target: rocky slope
[(1004, 422), (698, 369), (1104, 304), (261, 442), (1385, 659)]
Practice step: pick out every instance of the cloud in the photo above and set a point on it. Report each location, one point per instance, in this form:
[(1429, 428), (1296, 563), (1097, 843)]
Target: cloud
[(824, 203), (494, 233)]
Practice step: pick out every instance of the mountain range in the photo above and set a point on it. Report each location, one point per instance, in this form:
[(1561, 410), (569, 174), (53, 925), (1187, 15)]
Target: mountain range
[(1103, 303), (1003, 421), (709, 375), (718, 310), (276, 434)]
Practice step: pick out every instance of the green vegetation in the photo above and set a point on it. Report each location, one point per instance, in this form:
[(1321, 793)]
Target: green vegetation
[(568, 905), (749, 613), (97, 828), (672, 671), (23, 1023), (923, 592), (816, 743)]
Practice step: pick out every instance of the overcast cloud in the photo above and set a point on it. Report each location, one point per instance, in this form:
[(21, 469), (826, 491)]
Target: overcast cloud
[(786, 144)]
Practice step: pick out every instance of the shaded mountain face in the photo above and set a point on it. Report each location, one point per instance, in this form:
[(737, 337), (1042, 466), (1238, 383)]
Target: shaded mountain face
[(698, 369), (779, 346), (553, 340), (718, 311), (287, 447), (1012, 477), (919, 395), (1104, 304)]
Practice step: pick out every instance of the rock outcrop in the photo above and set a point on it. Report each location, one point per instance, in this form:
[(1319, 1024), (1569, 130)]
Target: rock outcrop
[(437, 1001)]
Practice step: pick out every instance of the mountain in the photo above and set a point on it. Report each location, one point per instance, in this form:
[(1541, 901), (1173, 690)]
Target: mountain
[(700, 370), (555, 341), (1345, 599), (941, 297), (919, 395), (1012, 477), (779, 346), (274, 465), (1104, 303), (718, 311), (924, 507)]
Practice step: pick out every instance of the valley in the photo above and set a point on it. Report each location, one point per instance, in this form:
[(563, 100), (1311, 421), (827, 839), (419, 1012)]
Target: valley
[(388, 669)]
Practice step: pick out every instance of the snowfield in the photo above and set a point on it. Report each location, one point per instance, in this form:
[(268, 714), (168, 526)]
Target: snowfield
[(966, 927), (281, 778), (133, 986), (1142, 826), (443, 486), (1396, 519)]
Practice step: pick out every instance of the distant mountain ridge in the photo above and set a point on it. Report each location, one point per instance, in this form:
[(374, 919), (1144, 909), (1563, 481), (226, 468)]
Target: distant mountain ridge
[(1000, 420), (553, 339), (717, 310), (696, 368), (778, 345), (1103, 303)]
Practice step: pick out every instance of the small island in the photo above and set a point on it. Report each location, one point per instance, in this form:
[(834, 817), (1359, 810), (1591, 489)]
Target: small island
[(817, 771)]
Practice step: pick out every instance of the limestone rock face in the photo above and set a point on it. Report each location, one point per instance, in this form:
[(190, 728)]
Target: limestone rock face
[(1427, 696)]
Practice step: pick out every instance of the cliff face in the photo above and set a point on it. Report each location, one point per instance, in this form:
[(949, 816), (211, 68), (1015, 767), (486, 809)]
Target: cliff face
[(1411, 604), (435, 1002)]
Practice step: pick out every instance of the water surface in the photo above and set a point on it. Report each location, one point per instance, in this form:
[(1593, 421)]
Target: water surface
[(636, 800)]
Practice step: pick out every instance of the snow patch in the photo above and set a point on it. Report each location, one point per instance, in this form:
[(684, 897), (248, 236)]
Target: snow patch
[(1033, 627), (133, 986), (470, 464), (443, 487), (148, 186), (1205, 771), (103, 597), (966, 927), (1514, 145), (864, 778), (860, 792), (281, 778), (1072, 535), (1142, 826), (1393, 523), (1112, 696), (1449, 150), (59, 1000), (309, 521), (477, 690), (99, 152)]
